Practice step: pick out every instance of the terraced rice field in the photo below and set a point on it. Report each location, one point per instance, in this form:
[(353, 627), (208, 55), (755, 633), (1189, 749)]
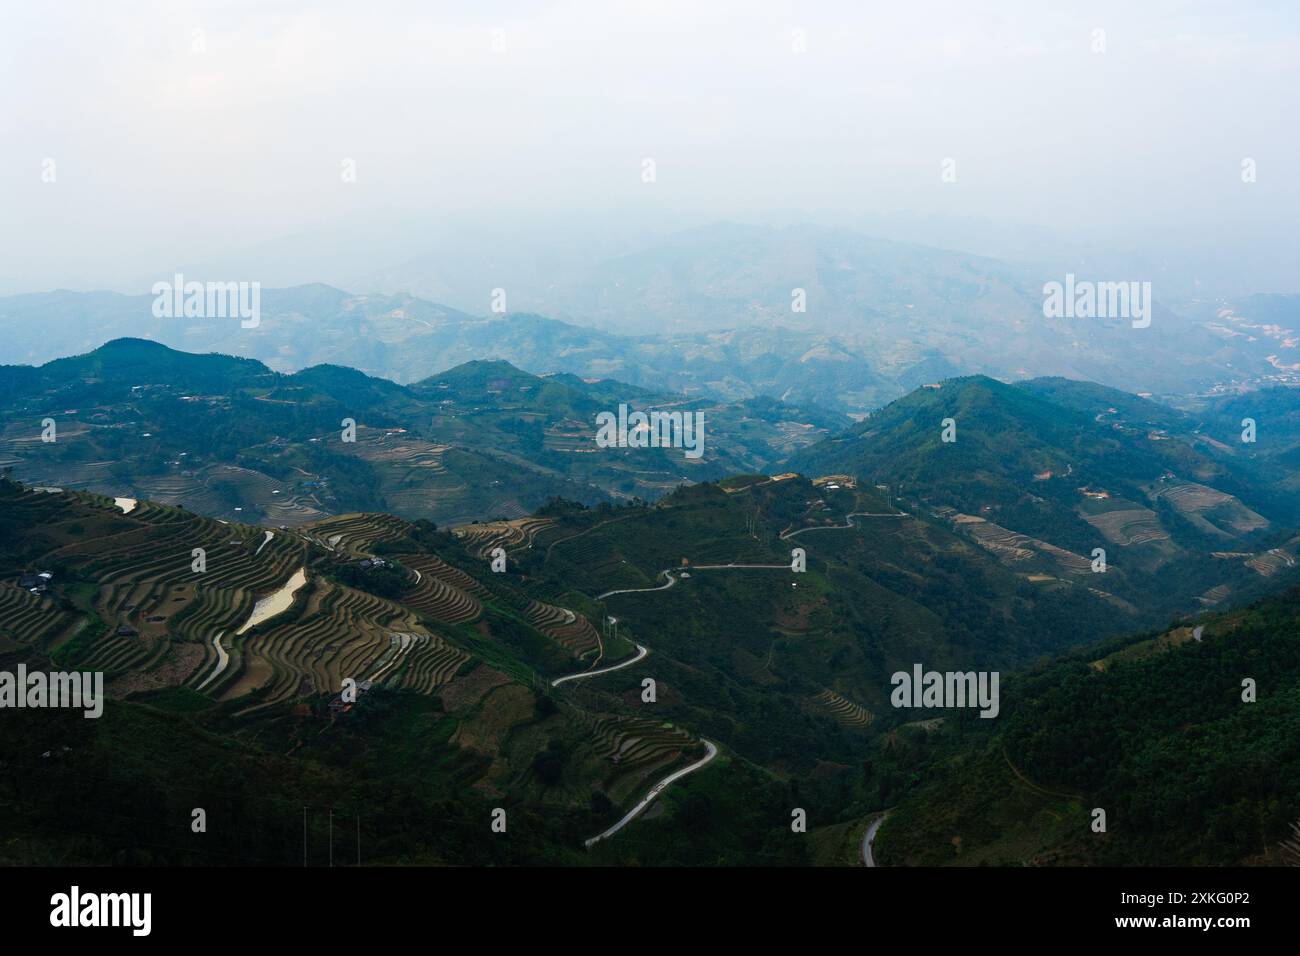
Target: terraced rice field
[(114, 654), (290, 511), (146, 580), (636, 750), (1070, 561), (414, 477), (1006, 544), (161, 616), (399, 646), (570, 436), (443, 593), (400, 450), (1221, 512), (1010, 545), (277, 500), (1112, 599), (355, 533), (28, 618), (571, 631), (1270, 562), (340, 632), (431, 565), (509, 508), (278, 601), (21, 446), (1187, 496), (1128, 526), (96, 475), (480, 539), (1215, 595), (453, 500), (430, 664), (187, 490), (843, 709), (21, 440)]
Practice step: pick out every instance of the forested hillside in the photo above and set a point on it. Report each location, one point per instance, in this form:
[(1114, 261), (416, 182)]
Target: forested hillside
[(1187, 739)]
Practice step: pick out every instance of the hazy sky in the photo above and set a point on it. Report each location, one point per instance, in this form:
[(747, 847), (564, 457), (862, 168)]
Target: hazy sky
[(191, 133)]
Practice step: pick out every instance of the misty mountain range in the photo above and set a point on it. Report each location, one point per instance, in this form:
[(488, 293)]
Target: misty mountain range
[(709, 312)]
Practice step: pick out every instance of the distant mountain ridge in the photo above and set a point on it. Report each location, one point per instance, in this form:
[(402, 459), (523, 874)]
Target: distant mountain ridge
[(711, 312), (230, 437)]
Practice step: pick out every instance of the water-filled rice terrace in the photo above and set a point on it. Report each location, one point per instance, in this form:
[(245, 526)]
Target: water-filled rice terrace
[(166, 592)]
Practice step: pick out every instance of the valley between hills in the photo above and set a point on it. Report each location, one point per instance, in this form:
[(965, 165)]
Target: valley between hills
[(646, 675)]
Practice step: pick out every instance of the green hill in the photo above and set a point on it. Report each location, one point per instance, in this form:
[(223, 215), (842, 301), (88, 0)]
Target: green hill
[(1152, 730), (527, 688), (1053, 466), (478, 690), (454, 715), (229, 437)]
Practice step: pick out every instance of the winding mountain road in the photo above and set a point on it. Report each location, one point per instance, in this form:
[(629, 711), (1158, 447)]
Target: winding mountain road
[(711, 751), (663, 587), (848, 522), (869, 839), (641, 652)]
